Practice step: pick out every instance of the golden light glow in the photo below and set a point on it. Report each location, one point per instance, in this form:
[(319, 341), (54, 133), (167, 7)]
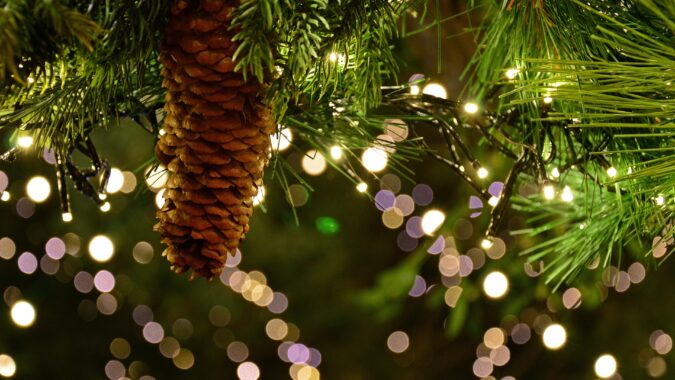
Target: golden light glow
[(494, 337), (548, 100), (101, 248), (314, 163), (5, 196), (7, 366), (362, 187), (471, 108), (333, 57), (432, 221), (486, 243), (549, 192), (554, 337), (105, 207), (260, 196), (605, 366), (566, 194), (374, 159), (115, 181), (414, 90), (276, 329), (159, 199), (495, 285), (336, 152), (67, 217), (435, 89), (38, 189), (24, 142), (282, 140), (482, 173), (23, 313), (157, 178), (611, 172), (512, 73)]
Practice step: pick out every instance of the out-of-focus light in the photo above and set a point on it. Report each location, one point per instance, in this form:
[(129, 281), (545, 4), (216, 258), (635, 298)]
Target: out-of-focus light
[(105, 207), (248, 371), (486, 243), (435, 89), (471, 108), (493, 201), (549, 192), (660, 200), (38, 189), (129, 182), (7, 366), (398, 342), (336, 152), (153, 332), (67, 217), (159, 199), (495, 285), (482, 173), (414, 89), (432, 221), (23, 313), (362, 187), (548, 100), (282, 140), (260, 196), (101, 248), (566, 194), (333, 57), (611, 172), (512, 73), (24, 142), (157, 178), (5, 196), (554, 337), (374, 159), (555, 173), (605, 366), (115, 181), (314, 163)]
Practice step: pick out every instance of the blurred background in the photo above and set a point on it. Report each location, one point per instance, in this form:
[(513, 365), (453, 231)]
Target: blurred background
[(336, 281)]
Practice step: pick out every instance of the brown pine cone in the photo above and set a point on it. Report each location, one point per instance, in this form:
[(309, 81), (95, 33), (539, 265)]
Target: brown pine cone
[(216, 144)]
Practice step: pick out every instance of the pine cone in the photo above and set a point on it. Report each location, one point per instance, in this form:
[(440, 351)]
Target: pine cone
[(216, 144)]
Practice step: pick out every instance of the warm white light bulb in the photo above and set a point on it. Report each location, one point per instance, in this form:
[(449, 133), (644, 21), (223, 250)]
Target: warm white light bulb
[(605, 366), (314, 163), (105, 207), (7, 366), (555, 173), (660, 200), (549, 192), (24, 142), (471, 108), (101, 248), (23, 313), (611, 172), (282, 140), (414, 89), (486, 243), (432, 221), (336, 152), (260, 196), (362, 187), (38, 189), (554, 337), (482, 173), (374, 159), (333, 57), (5, 196), (495, 285), (493, 201), (512, 73), (548, 100), (67, 217), (566, 194), (115, 181), (435, 89)]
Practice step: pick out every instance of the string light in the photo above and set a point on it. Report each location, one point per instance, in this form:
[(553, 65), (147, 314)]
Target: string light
[(555, 173), (24, 142), (660, 200), (260, 196), (432, 221), (435, 89), (471, 108), (548, 99), (374, 159), (493, 201), (482, 173), (159, 199), (486, 243), (333, 57), (314, 163), (549, 192), (115, 181), (605, 366), (105, 207), (23, 314), (5, 196), (414, 89), (101, 248), (495, 284), (512, 73), (567, 195), (362, 187), (336, 152), (554, 337), (611, 172), (282, 140), (7, 366), (67, 217), (38, 189)]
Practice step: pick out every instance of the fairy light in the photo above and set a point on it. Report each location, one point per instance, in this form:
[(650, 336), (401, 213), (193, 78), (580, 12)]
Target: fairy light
[(38, 189), (415, 90), (493, 201), (336, 152), (333, 57), (115, 181), (362, 187), (23, 313), (660, 200), (25, 141), (486, 243), (67, 217), (282, 140), (554, 336), (7, 366), (105, 207), (611, 172), (605, 366), (512, 73), (471, 108), (548, 99), (495, 285), (314, 163), (260, 196), (482, 173), (549, 192), (435, 89), (374, 159), (432, 221), (101, 248), (159, 199), (5, 196), (555, 173), (566, 194)]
